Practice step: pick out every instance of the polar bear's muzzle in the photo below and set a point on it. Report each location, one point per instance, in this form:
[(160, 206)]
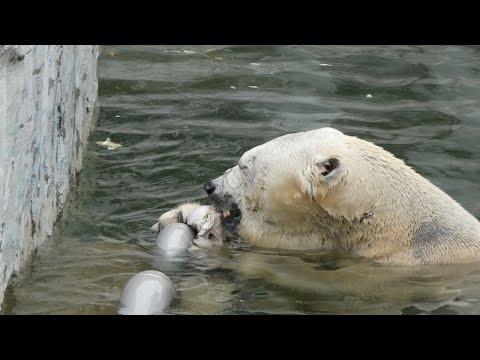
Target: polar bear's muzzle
[(230, 213), (231, 218)]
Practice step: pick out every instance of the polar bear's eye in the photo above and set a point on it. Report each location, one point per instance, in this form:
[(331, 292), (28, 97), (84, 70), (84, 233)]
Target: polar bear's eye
[(242, 166)]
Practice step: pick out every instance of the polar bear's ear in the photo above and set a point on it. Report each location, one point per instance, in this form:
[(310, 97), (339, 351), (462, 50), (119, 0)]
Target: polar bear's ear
[(321, 175), (328, 167), (326, 170)]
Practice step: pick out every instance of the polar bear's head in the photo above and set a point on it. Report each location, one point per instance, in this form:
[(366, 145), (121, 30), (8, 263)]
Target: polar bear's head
[(293, 184)]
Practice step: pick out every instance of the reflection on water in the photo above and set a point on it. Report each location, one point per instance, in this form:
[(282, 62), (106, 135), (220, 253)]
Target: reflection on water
[(184, 114)]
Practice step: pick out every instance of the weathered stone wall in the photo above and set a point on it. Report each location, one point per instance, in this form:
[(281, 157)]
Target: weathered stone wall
[(47, 99)]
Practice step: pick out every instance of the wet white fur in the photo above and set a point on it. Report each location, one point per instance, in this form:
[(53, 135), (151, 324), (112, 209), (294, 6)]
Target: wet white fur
[(373, 205)]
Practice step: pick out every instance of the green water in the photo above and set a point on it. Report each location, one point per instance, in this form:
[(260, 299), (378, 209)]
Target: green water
[(184, 114)]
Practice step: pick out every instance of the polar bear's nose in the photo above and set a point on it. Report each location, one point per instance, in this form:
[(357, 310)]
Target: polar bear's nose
[(209, 187)]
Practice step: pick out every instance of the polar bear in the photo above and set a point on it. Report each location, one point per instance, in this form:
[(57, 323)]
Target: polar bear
[(323, 189)]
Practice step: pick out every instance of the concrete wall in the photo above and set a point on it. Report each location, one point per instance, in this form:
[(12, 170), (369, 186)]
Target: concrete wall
[(47, 98)]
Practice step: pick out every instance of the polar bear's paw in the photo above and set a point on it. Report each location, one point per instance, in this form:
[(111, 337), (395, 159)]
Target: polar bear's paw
[(178, 214)]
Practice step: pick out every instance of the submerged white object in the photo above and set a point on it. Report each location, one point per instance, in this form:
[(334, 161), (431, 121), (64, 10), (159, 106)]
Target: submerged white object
[(146, 293), (175, 237), (108, 144), (369, 95)]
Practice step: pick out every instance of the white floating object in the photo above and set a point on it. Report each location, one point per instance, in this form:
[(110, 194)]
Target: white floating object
[(108, 144), (232, 87), (253, 86), (369, 96), (171, 51), (188, 52), (146, 293), (255, 64), (175, 238), (325, 65), (117, 116)]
